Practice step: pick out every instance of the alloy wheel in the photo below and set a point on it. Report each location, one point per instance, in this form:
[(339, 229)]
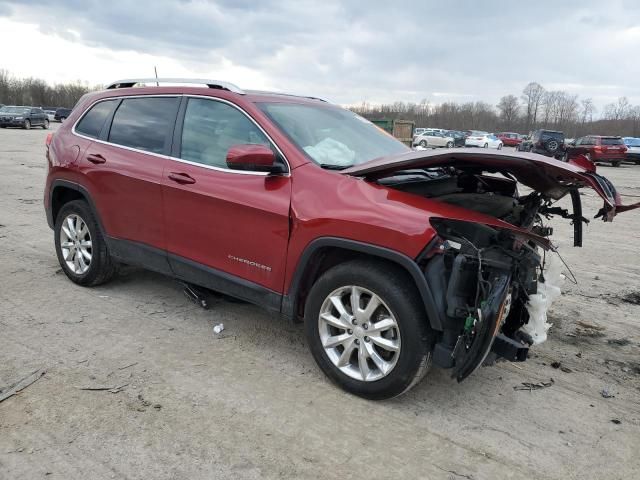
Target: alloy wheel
[(359, 333), (75, 244)]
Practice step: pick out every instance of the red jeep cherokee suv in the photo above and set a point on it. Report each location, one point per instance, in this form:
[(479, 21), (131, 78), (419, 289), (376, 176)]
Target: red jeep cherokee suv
[(392, 258)]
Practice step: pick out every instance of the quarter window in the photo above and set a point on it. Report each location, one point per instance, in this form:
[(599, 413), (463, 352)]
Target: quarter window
[(144, 123), (210, 128), (93, 121)]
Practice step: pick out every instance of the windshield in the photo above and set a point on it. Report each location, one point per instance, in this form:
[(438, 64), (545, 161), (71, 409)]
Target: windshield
[(15, 110), (332, 136), (632, 142)]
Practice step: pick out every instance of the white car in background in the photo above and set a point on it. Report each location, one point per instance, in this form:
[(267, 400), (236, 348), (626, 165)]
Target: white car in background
[(433, 139), (483, 140)]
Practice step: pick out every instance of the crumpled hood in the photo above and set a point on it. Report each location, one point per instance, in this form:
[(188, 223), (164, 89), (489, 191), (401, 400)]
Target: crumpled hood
[(546, 175)]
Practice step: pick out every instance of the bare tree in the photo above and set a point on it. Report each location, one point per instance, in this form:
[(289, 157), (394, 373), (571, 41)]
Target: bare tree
[(509, 108), (532, 96), (588, 109)]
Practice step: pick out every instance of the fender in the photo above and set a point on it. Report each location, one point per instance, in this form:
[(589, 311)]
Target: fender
[(78, 188), (290, 300)]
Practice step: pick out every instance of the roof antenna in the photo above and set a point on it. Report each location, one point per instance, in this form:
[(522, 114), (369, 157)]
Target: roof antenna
[(156, 71)]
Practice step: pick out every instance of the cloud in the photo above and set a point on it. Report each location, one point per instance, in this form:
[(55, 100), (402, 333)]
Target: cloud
[(377, 51)]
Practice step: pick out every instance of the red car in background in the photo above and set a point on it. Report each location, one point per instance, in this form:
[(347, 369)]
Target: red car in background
[(598, 148), (510, 139)]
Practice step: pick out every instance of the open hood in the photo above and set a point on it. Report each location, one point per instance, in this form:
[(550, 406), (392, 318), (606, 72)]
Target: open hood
[(548, 176)]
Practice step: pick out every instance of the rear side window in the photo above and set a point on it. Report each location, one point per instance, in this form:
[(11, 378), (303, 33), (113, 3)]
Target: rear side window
[(144, 123), (612, 141), (93, 121)]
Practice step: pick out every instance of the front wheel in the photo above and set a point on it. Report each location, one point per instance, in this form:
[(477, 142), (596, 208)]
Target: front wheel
[(616, 163), (423, 143), (486, 145), (367, 329), (80, 245), (27, 125), (499, 146), (449, 144)]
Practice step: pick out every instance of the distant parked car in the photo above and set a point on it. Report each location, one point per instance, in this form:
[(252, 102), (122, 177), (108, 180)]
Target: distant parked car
[(483, 140), (510, 139), (544, 142), (419, 131), (24, 117), (599, 149), (431, 138), (458, 137), (51, 114), (62, 114), (633, 149)]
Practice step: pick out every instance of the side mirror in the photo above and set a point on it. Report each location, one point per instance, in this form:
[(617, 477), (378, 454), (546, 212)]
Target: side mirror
[(251, 157)]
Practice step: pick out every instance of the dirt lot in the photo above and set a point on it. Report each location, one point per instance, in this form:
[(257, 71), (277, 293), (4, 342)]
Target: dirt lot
[(251, 403)]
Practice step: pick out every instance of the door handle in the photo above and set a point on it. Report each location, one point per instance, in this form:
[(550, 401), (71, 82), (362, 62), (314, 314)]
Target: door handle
[(181, 178), (96, 158)]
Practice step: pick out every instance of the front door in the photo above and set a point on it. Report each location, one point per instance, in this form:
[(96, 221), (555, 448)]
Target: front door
[(225, 229)]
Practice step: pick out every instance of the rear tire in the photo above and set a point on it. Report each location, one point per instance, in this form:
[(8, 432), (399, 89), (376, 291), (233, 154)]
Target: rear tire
[(449, 144), (423, 143), (86, 248), (400, 302), (499, 146), (616, 164), (486, 145), (45, 126)]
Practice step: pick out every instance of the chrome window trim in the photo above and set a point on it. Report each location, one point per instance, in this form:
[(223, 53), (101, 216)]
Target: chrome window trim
[(169, 157)]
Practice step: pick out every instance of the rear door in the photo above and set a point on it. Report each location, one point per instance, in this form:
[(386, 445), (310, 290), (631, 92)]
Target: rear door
[(123, 170), (224, 227)]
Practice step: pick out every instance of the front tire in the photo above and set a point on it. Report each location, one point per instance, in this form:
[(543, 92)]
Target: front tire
[(367, 329), (423, 143), (486, 145), (449, 144), (499, 146), (80, 245), (616, 163), (27, 125)]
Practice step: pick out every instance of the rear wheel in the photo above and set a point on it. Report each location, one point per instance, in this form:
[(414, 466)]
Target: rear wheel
[(449, 144), (617, 163), (45, 125), (367, 330), (80, 246), (486, 145), (499, 146), (423, 143)]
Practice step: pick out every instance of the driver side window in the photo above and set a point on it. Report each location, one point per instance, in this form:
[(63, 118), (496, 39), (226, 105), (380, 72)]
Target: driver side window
[(211, 127)]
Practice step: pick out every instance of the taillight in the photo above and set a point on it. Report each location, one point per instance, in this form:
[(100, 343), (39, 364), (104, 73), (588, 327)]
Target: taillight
[(49, 139), (597, 149)]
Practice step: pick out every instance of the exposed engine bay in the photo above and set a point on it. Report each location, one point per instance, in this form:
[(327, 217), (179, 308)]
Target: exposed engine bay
[(493, 280)]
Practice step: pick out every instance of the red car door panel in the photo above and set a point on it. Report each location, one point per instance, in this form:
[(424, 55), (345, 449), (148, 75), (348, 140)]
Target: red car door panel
[(234, 223)]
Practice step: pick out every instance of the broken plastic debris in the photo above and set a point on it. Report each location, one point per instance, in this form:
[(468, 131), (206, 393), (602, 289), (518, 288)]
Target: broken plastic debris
[(539, 303), (607, 393), (218, 328)]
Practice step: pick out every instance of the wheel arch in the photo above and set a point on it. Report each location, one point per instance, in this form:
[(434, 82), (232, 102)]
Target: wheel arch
[(63, 192), (323, 253)]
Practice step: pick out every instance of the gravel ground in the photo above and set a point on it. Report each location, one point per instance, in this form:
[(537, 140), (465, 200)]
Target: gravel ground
[(250, 402)]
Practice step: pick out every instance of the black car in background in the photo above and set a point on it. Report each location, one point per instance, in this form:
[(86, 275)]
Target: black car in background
[(23, 117), (62, 114), (458, 137), (544, 142)]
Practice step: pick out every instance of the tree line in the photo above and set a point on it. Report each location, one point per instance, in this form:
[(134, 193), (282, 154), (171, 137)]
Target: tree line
[(536, 107), (38, 93)]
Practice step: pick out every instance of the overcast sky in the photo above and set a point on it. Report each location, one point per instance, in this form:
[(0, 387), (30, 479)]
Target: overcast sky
[(345, 51)]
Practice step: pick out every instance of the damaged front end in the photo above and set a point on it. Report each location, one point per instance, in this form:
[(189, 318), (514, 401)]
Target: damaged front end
[(488, 278), (488, 268)]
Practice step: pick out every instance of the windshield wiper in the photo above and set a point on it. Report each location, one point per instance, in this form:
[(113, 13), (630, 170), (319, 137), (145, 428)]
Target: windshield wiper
[(330, 166)]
